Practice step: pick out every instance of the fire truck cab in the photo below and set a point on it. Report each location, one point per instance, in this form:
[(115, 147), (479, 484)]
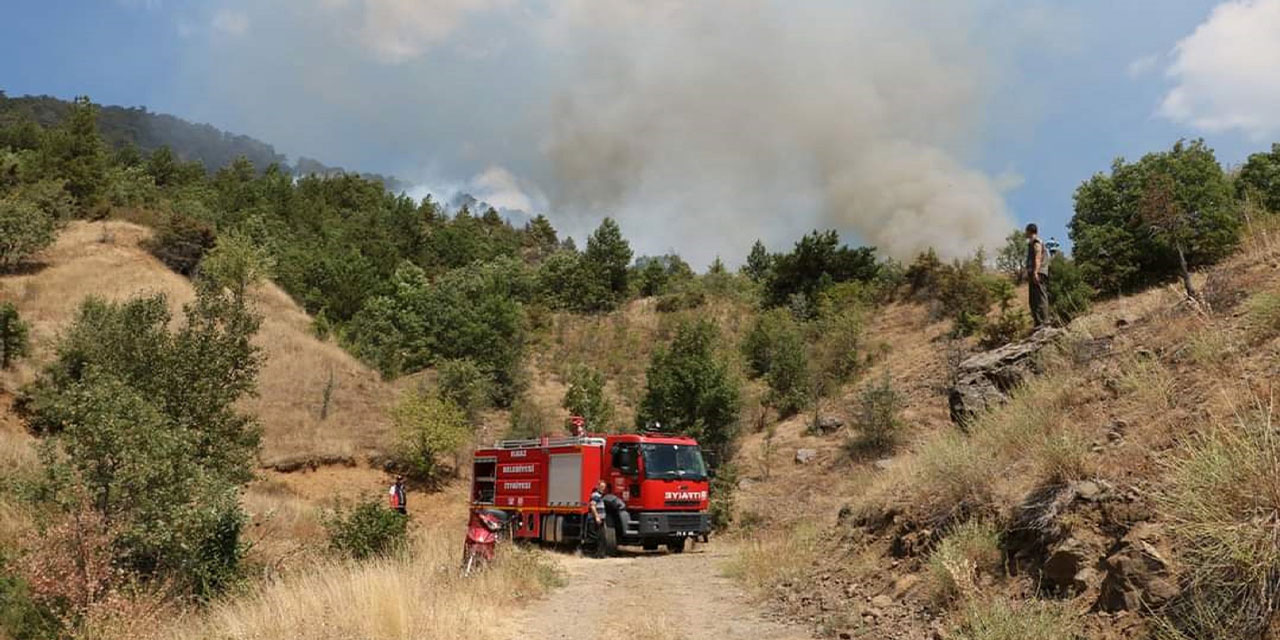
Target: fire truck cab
[(658, 487)]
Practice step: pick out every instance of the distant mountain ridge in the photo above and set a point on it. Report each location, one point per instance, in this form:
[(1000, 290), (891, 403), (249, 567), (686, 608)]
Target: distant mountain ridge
[(148, 131)]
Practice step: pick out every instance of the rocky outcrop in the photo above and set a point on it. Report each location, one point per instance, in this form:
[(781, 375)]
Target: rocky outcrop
[(1138, 574), (984, 380)]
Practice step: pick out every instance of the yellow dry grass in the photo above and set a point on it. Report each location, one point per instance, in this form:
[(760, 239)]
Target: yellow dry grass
[(104, 259), (421, 595)]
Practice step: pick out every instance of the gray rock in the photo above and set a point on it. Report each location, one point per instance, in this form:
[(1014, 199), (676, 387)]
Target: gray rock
[(828, 424), (805, 456), (985, 379)]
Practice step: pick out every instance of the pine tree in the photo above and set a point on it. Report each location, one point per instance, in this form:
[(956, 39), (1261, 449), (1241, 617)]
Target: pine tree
[(606, 260), (759, 262)]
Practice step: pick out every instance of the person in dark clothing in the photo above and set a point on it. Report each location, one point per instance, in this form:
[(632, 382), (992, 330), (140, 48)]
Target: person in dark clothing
[(593, 524), (1037, 277), (397, 497)]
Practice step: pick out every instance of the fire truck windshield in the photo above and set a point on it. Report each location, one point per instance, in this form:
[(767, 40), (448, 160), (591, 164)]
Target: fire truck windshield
[(673, 461)]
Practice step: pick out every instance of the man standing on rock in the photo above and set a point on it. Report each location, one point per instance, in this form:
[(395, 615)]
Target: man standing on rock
[(1037, 277)]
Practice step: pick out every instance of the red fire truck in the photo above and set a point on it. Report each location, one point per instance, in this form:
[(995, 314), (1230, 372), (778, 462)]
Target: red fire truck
[(660, 483)]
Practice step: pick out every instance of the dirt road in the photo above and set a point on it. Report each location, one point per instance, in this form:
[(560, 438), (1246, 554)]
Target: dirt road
[(650, 596)]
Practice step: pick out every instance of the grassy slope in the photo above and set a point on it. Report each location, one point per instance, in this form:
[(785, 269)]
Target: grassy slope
[(1171, 372)]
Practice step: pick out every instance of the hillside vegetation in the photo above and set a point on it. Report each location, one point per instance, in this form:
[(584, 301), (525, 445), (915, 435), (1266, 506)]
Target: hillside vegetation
[(180, 343)]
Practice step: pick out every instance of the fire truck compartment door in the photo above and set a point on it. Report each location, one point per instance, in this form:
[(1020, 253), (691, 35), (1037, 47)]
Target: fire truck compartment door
[(564, 480)]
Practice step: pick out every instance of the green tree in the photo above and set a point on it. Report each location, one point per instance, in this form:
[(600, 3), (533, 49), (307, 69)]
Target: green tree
[(462, 382), (925, 274), (586, 397), (965, 294), (365, 530), (817, 262), (141, 423), (24, 231), (237, 263), (761, 344), (759, 263), (14, 342), (605, 265), (75, 152), (427, 429), (788, 375), (1012, 257), (691, 390), (1259, 179), (1128, 225), (836, 355), (541, 237)]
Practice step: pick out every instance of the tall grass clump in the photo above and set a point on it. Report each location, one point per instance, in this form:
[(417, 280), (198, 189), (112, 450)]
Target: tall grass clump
[(1263, 316), (1000, 619), (1221, 499), (419, 594), (972, 548)]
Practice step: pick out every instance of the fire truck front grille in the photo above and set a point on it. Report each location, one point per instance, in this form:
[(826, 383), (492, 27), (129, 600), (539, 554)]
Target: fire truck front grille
[(684, 521)]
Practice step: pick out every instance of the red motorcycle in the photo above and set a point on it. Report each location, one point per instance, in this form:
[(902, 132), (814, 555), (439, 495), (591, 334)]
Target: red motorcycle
[(483, 530)]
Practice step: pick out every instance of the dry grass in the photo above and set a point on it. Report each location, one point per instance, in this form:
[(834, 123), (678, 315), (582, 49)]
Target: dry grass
[(1263, 316), (421, 595), (646, 625), (1221, 499), (1032, 437), (1001, 619), (782, 555), (103, 259), (971, 549)]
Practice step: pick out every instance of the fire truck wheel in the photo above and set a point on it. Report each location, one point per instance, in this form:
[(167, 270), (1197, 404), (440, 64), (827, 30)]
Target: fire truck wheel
[(675, 545), (610, 538)]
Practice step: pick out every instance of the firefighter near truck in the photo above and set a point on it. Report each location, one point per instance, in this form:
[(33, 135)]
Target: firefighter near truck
[(657, 495)]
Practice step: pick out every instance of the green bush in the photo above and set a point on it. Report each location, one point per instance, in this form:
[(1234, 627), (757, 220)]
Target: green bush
[(466, 385), (366, 530), (586, 397), (925, 274), (1121, 242), (681, 301), (723, 489), (691, 390), (427, 429), (879, 418), (965, 295), (528, 420), (142, 423), (24, 231), (182, 243), (14, 341), (21, 616), (767, 331), (1069, 295), (788, 376)]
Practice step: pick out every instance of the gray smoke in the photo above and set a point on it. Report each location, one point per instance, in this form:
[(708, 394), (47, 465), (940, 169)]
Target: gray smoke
[(700, 125)]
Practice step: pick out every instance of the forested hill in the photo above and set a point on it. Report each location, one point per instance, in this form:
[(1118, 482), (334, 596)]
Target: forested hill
[(123, 127)]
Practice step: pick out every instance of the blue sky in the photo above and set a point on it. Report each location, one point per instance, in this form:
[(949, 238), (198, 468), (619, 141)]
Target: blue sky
[(899, 123)]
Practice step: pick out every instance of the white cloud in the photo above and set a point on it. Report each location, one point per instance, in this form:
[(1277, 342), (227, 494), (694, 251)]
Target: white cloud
[(1226, 72), (233, 23), (1144, 65)]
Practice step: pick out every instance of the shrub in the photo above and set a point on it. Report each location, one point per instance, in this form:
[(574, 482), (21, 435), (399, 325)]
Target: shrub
[(691, 390), (366, 530), (723, 487), (879, 421), (463, 383), (1012, 257), (681, 301), (1221, 500), (970, 549), (22, 616), (1263, 316), (236, 263), (767, 331), (817, 262), (528, 420), (1010, 325), (144, 426), (24, 231), (182, 243), (14, 341), (925, 274), (427, 429), (965, 295), (586, 397), (788, 376), (1069, 295), (996, 618)]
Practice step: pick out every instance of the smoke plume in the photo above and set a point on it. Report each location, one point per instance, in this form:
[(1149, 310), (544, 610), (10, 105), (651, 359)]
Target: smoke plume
[(700, 126)]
